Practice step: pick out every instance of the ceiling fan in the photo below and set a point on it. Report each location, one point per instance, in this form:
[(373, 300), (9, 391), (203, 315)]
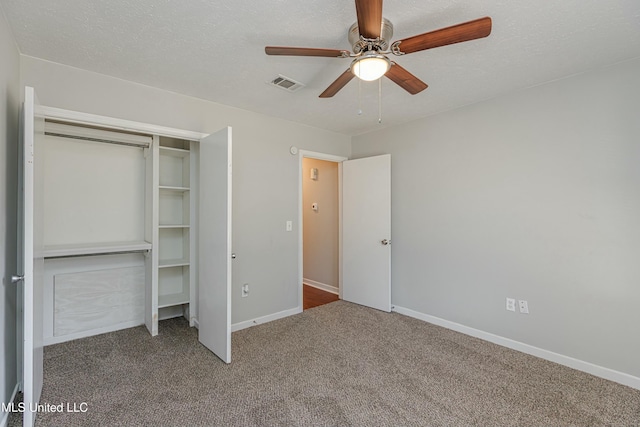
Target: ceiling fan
[(370, 37)]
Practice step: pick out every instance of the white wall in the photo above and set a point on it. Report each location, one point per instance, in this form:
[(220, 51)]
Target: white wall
[(320, 228), (265, 175), (534, 195), (9, 112), (106, 205)]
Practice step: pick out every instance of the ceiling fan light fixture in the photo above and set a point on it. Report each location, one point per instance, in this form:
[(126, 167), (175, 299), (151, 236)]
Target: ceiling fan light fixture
[(370, 66)]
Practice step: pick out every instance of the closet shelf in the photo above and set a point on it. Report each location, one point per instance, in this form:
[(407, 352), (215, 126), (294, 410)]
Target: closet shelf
[(166, 263), (59, 251), (173, 188), (173, 299)]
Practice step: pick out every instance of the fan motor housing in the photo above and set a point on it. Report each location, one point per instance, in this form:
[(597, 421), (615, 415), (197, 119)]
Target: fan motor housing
[(360, 44)]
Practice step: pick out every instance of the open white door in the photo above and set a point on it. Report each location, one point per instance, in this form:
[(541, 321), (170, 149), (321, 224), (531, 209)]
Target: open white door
[(366, 231), (214, 244), (32, 241)]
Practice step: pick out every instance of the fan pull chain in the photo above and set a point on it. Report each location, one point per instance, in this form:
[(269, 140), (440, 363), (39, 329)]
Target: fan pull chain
[(380, 100), (359, 97)]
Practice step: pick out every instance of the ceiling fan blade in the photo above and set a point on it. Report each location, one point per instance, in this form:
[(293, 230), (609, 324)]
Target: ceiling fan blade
[(369, 18), (405, 79), (471, 30), (305, 51), (338, 84)]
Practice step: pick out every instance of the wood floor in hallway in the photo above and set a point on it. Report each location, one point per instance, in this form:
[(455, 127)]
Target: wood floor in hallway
[(314, 297)]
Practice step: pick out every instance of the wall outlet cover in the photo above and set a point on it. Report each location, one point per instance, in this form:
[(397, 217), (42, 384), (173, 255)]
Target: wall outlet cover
[(524, 306), (511, 304)]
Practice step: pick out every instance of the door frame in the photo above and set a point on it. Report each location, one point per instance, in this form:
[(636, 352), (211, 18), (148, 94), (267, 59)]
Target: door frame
[(302, 154)]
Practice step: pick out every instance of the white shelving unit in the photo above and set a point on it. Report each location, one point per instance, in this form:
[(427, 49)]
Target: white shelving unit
[(175, 234)]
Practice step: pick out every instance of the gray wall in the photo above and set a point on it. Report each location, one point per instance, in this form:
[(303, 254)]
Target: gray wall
[(320, 228), (265, 175), (9, 112), (534, 195)]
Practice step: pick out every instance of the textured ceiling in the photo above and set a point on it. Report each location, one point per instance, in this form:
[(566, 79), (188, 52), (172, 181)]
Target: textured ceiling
[(215, 49)]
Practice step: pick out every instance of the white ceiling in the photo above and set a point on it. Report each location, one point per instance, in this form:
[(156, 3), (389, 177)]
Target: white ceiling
[(214, 49)]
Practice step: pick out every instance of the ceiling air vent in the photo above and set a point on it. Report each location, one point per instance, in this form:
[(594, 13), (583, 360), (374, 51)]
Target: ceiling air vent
[(286, 83)]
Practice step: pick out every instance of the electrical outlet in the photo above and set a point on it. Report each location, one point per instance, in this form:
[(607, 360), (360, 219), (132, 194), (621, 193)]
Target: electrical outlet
[(245, 290), (524, 307), (511, 304)]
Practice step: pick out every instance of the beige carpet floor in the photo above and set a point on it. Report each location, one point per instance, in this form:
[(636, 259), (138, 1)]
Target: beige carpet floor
[(335, 365)]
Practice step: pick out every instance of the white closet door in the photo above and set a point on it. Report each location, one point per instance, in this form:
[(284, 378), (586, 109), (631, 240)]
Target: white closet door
[(214, 244), (32, 241)]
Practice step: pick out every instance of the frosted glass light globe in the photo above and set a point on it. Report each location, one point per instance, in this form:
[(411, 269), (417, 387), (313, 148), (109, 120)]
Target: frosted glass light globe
[(371, 66)]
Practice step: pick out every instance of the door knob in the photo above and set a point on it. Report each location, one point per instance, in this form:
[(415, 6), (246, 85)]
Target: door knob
[(16, 279), (233, 255), (386, 242)]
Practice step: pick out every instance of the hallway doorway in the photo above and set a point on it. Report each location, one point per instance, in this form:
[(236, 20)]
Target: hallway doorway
[(320, 232)]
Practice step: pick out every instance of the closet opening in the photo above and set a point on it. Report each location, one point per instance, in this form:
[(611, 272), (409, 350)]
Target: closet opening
[(117, 215), (320, 232)]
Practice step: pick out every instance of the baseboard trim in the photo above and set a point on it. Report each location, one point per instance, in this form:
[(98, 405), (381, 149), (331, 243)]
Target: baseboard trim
[(264, 319), (4, 421), (322, 286), (580, 365)]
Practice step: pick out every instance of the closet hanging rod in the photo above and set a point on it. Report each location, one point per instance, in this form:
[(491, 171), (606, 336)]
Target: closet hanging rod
[(108, 141)]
